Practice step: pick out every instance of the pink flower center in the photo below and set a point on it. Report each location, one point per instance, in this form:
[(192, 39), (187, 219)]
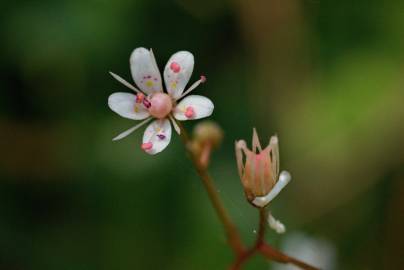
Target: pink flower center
[(160, 105)]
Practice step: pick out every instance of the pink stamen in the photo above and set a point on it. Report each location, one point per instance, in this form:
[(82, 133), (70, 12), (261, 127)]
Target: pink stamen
[(203, 78), (139, 98), (146, 103), (175, 67), (189, 112), (147, 146)]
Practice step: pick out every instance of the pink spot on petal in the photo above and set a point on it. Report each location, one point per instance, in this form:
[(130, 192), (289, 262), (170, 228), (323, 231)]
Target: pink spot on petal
[(161, 136), (147, 146), (189, 112), (175, 67)]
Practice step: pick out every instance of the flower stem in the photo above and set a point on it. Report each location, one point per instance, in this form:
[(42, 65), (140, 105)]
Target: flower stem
[(240, 260), (242, 254), (231, 231), (266, 250)]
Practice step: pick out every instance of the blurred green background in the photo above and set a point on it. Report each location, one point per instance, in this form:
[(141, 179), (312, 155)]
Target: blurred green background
[(326, 76)]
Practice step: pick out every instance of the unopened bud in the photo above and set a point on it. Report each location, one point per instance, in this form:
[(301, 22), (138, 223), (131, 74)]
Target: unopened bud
[(208, 132), (207, 135)]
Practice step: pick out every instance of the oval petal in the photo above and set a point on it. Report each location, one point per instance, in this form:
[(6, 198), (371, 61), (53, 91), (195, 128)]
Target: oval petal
[(125, 105), (177, 72), (157, 136), (144, 71), (193, 107)]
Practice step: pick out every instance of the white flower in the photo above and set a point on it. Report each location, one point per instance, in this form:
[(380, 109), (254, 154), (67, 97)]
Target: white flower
[(151, 102)]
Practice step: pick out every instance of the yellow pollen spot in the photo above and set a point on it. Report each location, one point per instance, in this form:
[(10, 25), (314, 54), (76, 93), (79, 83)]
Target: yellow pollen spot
[(136, 108), (149, 84), (173, 85)]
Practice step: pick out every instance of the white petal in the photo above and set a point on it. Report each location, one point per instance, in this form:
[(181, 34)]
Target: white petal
[(256, 142), (125, 105), (275, 224), (274, 144), (201, 106), (159, 134), (144, 71), (284, 179), (177, 72), (129, 131)]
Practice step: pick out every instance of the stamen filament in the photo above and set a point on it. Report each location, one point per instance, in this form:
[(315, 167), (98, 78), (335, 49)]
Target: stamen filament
[(124, 82), (193, 86), (129, 131), (176, 127)]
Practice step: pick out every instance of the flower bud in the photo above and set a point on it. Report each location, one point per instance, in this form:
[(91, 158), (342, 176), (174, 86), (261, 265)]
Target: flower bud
[(258, 168), (207, 136), (208, 132)]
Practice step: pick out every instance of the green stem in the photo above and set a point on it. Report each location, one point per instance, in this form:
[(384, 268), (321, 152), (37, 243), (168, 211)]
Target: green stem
[(231, 231)]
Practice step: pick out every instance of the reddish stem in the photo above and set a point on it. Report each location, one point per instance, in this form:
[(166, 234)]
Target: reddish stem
[(231, 232), (273, 254), (266, 250), (242, 258), (242, 254), (205, 154)]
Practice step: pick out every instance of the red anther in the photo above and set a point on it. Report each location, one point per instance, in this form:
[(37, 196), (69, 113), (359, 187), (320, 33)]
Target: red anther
[(161, 136), (139, 98), (203, 78), (146, 103), (175, 67), (147, 146), (189, 112)]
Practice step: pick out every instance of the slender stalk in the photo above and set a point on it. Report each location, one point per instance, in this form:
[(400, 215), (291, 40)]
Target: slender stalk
[(275, 255), (266, 250), (242, 254), (231, 231), (261, 228), (240, 260)]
